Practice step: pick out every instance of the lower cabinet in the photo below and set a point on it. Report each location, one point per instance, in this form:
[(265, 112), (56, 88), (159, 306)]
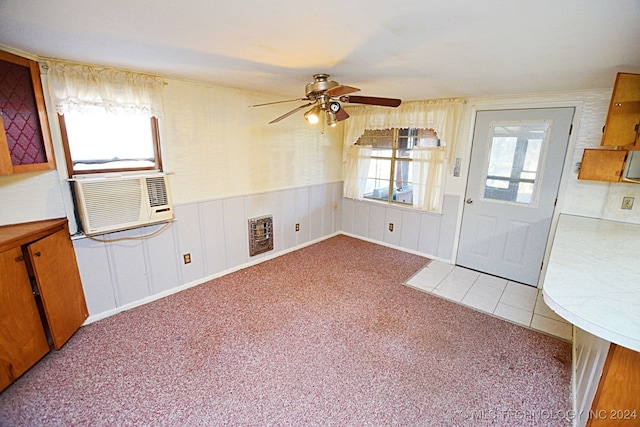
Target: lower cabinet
[(617, 400), (41, 298)]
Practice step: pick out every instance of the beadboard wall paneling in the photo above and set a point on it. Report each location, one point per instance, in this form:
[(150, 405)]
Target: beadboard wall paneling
[(427, 233), (590, 353), (129, 270)]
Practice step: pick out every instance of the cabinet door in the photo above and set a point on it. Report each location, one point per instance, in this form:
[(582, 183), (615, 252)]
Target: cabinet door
[(25, 143), (22, 338), (602, 165), (58, 278), (617, 400), (623, 118)]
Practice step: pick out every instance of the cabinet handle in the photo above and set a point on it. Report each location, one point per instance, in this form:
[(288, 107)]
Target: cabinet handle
[(19, 258), (38, 253)]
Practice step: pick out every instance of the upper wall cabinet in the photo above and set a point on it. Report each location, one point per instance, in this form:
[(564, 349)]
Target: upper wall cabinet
[(623, 120), (621, 136), (602, 165), (25, 139)]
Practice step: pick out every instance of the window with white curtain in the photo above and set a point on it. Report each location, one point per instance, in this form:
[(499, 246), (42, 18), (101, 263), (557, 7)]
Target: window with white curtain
[(108, 118), (390, 172), (410, 149)]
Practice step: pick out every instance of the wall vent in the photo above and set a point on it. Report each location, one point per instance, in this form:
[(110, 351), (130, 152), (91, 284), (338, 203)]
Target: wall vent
[(260, 235), (109, 204)]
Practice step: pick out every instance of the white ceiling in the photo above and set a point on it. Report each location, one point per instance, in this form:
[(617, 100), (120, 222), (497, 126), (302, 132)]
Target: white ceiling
[(412, 50)]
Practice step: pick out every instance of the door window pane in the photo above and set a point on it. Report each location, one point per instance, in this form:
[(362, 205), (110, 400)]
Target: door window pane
[(514, 161)]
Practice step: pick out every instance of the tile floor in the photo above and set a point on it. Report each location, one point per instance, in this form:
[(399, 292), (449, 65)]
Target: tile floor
[(502, 298)]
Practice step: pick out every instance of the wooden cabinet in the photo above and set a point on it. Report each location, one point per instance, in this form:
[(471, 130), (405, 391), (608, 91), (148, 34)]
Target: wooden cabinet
[(602, 165), (25, 138), (41, 298), (622, 128), (617, 400), (621, 133)]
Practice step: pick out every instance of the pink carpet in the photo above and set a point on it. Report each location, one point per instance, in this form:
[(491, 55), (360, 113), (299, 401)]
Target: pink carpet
[(324, 336)]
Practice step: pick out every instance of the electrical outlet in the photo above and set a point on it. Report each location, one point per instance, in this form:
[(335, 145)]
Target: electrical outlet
[(390, 226), (187, 258), (627, 203), (297, 227)]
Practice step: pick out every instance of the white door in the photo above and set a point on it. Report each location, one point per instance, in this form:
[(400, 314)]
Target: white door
[(517, 158)]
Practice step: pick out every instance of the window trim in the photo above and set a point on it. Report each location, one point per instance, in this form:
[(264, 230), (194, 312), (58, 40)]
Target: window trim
[(155, 135)]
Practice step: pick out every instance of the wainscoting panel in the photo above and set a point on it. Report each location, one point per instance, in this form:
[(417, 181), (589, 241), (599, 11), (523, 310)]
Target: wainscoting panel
[(362, 218), (427, 233), (127, 265), (95, 273), (409, 238), (187, 232), (394, 216), (212, 230), (376, 224), (590, 353), (317, 196), (236, 236), (119, 275), (302, 215), (162, 264), (448, 227), (288, 220)]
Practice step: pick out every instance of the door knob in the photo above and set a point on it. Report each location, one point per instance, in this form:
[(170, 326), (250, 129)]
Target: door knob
[(469, 200), (38, 253)]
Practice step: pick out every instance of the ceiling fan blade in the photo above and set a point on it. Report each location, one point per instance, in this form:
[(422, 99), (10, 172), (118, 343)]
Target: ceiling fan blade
[(284, 116), (371, 100), (341, 115), (341, 90), (278, 102)]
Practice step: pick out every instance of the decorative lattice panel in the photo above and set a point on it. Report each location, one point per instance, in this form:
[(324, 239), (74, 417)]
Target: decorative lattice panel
[(20, 115)]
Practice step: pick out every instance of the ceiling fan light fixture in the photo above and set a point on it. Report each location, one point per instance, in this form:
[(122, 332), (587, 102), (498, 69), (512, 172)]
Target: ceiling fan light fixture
[(313, 115), (331, 119)]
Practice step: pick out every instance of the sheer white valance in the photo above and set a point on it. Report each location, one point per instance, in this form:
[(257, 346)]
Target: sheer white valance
[(79, 87), (442, 115)]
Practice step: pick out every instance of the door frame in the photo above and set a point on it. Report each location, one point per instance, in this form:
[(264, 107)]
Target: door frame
[(567, 169)]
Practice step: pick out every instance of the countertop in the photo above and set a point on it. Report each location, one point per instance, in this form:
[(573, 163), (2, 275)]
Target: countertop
[(593, 278)]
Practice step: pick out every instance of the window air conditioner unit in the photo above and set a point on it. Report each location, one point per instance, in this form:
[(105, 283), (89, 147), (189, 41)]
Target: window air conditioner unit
[(109, 204)]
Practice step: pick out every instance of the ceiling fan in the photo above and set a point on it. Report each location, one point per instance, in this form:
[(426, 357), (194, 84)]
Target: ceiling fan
[(325, 96)]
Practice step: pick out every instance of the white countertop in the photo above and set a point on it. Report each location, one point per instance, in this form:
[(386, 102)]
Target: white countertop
[(593, 278)]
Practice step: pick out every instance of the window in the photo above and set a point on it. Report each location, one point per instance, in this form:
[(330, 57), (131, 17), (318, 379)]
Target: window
[(108, 117), (390, 175), (96, 141)]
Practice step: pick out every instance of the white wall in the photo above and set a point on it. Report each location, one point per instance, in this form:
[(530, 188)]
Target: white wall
[(218, 146)]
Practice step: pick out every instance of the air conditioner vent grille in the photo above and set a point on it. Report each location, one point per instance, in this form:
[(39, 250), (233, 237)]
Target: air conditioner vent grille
[(157, 191), (118, 203), (112, 202)]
